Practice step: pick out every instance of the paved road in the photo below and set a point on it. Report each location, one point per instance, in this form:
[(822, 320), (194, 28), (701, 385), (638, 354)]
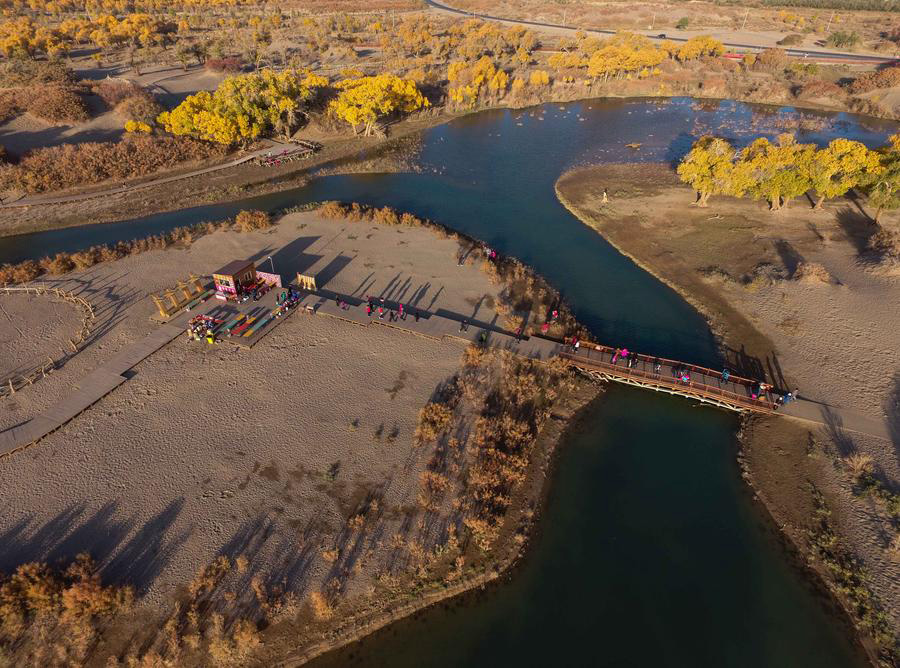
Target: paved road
[(802, 53)]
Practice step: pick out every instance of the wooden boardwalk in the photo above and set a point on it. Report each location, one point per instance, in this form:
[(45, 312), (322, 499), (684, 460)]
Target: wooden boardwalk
[(663, 375), (89, 390)]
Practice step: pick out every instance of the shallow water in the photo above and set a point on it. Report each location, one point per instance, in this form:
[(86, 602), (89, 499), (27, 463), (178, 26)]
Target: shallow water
[(650, 552)]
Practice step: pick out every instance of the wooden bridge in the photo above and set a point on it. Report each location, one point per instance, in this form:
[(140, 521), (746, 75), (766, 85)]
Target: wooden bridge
[(673, 377)]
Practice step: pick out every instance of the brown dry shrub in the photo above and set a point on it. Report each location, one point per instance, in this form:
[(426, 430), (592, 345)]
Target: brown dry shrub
[(812, 272), (19, 72), (228, 65), (113, 92), (60, 263), (69, 165), (20, 273), (820, 88), (330, 555), (142, 108), (770, 60), (859, 465), (433, 419), (321, 608), (56, 104), (209, 577), (247, 221), (886, 78)]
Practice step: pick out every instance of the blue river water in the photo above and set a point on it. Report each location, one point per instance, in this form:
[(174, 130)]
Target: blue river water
[(650, 550)]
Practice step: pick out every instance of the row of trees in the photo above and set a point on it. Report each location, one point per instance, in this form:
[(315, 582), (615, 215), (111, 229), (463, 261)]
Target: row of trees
[(780, 171), (23, 38), (250, 106), (244, 108), (627, 52)]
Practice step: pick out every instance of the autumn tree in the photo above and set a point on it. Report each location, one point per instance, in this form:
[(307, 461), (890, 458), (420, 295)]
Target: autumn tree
[(469, 82), (709, 168), (776, 171), (364, 100), (246, 107), (697, 47), (840, 166), (883, 186)]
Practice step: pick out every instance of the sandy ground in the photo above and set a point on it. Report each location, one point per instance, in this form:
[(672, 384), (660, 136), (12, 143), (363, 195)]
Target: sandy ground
[(833, 332), (34, 328), (216, 450)]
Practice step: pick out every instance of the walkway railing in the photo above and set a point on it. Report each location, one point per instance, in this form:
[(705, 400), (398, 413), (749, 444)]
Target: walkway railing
[(702, 384)]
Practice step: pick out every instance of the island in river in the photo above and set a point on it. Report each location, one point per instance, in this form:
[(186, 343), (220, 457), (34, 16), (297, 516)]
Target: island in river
[(808, 299)]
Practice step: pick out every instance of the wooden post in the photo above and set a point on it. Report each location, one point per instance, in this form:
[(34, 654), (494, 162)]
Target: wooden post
[(163, 312), (184, 290), (170, 295)]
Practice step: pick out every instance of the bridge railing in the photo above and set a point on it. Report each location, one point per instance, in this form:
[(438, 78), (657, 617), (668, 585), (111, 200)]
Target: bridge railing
[(592, 356)]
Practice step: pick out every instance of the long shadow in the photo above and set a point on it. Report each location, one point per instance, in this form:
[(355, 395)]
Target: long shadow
[(834, 427), (148, 551), (332, 269), (892, 410), (859, 230), (790, 258), (291, 258), (138, 561)]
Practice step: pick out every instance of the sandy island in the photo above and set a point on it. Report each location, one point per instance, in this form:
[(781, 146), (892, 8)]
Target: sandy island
[(299, 456)]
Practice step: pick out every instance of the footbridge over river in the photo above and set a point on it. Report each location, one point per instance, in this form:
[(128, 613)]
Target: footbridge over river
[(673, 377)]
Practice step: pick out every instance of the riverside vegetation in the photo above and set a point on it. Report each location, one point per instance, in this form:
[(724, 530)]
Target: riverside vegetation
[(328, 80)]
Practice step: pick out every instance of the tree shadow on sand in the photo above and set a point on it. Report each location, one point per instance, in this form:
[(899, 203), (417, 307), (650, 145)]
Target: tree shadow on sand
[(892, 411), (136, 560)]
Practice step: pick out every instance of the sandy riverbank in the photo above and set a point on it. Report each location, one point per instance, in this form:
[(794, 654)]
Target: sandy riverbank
[(802, 295)]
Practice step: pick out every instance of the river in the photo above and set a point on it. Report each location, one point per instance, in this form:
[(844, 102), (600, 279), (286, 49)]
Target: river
[(650, 550)]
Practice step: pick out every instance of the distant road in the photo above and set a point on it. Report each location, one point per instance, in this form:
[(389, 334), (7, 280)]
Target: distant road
[(800, 53)]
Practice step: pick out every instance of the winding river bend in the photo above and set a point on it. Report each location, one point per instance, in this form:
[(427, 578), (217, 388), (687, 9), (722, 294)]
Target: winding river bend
[(650, 550)]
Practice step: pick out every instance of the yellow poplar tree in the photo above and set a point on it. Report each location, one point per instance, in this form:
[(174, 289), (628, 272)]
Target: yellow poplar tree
[(709, 168), (840, 166), (777, 170), (245, 107), (364, 100)]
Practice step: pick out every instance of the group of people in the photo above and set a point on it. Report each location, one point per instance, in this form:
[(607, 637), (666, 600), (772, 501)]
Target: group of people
[(378, 305)]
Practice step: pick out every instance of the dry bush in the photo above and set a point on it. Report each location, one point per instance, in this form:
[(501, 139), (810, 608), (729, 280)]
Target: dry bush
[(433, 419), (56, 104), (886, 78), (820, 88), (812, 272), (230, 65), (320, 606), (61, 263), (771, 60), (39, 603), (859, 465), (514, 410), (330, 555), (247, 221), (209, 577), (143, 108), (133, 156), (433, 486), (19, 72), (113, 92), (20, 273)]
